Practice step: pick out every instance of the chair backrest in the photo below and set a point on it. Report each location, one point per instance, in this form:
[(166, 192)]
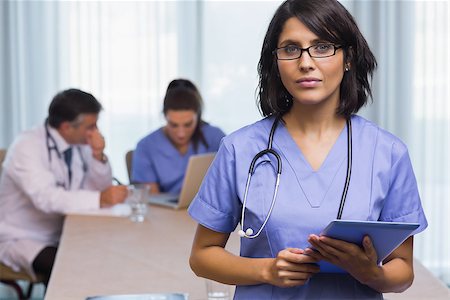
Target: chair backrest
[(6, 273), (2, 158), (9, 277), (128, 161)]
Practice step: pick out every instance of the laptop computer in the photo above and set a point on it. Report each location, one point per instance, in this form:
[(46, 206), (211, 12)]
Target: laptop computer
[(195, 171)]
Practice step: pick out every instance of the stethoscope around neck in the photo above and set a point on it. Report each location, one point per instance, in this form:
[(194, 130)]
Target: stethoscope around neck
[(249, 232), (50, 139)]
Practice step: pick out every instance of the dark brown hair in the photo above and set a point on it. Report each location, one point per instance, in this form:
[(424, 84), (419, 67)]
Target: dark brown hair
[(182, 94), (67, 105), (330, 21)]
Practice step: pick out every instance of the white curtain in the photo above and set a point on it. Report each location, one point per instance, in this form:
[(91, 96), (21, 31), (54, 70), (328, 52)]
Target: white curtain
[(231, 45), (123, 52), (411, 99), (29, 68), (126, 52), (430, 129)]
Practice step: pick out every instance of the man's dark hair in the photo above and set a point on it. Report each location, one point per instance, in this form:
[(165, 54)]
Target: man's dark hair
[(68, 105), (330, 21)]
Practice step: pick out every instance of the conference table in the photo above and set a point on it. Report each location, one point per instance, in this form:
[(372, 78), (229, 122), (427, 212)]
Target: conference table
[(110, 255)]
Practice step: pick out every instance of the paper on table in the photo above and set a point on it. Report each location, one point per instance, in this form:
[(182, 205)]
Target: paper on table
[(118, 210), (168, 296)]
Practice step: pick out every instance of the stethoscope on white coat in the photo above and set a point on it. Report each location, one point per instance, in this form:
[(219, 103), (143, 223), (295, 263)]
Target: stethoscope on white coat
[(248, 233), (50, 138)]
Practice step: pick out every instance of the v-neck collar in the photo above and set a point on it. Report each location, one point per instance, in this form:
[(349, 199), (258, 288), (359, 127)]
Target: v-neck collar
[(314, 184)]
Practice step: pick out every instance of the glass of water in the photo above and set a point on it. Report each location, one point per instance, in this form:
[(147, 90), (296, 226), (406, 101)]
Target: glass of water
[(137, 199), (217, 291)]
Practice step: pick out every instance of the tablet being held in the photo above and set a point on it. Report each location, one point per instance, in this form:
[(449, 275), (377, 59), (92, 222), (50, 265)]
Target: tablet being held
[(385, 236), (310, 160)]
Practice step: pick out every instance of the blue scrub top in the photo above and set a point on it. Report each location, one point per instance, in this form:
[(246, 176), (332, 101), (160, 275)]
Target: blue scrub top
[(382, 187), (157, 160)]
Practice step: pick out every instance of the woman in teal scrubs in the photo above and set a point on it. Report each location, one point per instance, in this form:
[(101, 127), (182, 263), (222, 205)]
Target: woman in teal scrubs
[(315, 69)]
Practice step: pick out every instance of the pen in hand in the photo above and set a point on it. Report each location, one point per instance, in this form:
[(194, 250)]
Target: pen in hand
[(117, 181)]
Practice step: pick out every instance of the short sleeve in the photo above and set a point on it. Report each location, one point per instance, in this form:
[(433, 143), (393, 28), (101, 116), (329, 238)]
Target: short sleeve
[(402, 203), (217, 205), (215, 144), (214, 136), (142, 169)]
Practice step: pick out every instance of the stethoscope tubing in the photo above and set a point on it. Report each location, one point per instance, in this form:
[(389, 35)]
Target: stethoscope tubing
[(49, 138), (249, 233), (349, 169)]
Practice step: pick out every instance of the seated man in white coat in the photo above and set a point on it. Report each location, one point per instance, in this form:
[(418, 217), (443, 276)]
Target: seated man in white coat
[(49, 171)]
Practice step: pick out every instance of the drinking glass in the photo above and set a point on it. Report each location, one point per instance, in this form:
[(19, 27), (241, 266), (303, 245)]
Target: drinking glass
[(217, 291), (137, 199)]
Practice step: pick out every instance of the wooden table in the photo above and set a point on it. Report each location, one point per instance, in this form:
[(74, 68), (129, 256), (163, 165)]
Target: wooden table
[(101, 255), (425, 286)]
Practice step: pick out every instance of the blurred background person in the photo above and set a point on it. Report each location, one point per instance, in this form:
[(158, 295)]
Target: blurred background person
[(56, 168), (161, 158)]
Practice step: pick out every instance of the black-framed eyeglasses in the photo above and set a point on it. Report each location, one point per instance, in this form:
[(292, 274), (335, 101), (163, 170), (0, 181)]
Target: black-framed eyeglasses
[(319, 50)]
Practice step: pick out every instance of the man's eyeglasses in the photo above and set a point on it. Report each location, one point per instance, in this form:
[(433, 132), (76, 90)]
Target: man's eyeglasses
[(315, 51)]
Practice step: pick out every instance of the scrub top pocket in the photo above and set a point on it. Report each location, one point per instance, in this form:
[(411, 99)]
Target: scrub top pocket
[(260, 193)]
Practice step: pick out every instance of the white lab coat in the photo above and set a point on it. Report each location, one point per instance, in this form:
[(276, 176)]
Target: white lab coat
[(35, 193)]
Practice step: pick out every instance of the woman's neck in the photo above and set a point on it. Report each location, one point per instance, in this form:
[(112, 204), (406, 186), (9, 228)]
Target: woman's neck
[(314, 131), (181, 148), (310, 120)]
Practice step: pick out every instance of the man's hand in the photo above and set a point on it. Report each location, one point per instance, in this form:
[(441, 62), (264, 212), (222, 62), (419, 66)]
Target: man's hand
[(113, 195), (97, 143)]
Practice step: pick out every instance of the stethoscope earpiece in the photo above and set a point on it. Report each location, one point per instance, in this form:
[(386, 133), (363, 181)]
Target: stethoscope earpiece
[(248, 233)]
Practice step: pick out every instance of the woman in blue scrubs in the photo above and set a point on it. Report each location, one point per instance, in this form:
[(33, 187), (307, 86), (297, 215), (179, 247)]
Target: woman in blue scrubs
[(314, 70), (161, 158)]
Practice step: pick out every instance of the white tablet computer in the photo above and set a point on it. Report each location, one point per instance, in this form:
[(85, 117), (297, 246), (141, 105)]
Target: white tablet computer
[(386, 237)]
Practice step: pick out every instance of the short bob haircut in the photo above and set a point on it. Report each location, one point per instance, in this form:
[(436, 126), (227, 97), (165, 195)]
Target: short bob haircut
[(69, 104), (182, 94), (330, 21)]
